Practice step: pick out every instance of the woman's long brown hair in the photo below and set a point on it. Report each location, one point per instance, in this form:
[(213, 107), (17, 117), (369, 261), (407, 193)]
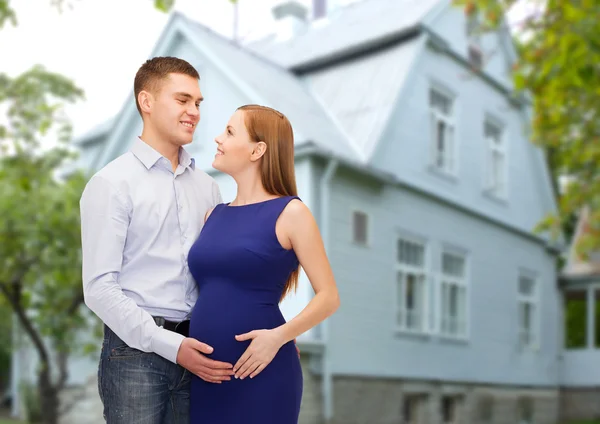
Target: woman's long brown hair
[(277, 167)]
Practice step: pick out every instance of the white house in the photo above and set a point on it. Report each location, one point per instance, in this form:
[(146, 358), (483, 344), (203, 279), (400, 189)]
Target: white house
[(426, 190)]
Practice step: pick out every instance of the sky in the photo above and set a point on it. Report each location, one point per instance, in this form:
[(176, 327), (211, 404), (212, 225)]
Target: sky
[(100, 44)]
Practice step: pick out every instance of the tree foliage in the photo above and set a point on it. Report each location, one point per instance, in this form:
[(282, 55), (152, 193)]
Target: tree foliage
[(40, 255), (558, 68)]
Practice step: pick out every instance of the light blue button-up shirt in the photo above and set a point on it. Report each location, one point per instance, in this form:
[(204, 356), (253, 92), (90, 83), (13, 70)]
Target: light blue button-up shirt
[(138, 222)]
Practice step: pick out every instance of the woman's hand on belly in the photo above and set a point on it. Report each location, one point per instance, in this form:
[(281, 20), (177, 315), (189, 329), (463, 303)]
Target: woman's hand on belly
[(263, 348)]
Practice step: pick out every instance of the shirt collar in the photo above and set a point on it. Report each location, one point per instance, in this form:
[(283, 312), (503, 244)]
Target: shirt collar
[(186, 160), (148, 156)]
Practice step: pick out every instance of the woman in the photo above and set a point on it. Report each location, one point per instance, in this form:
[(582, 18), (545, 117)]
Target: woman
[(245, 261)]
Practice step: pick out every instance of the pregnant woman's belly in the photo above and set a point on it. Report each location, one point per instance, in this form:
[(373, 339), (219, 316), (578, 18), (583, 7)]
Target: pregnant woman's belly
[(221, 313)]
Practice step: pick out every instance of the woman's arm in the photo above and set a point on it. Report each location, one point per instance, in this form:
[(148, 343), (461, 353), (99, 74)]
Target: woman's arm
[(300, 227)]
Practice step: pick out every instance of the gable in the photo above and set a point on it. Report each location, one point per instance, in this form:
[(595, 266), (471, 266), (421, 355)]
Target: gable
[(450, 23), (361, 92), (231, 77), (405, 149)]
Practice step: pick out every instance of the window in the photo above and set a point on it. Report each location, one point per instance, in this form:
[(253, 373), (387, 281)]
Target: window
[(359, 228), (442, 132), (413, 409), (475, 56), (451, 406), (453, 295), (473, 30), (485, 409), (575, 318), (528, 311), (496, 163), (525, 410), (411, 286)]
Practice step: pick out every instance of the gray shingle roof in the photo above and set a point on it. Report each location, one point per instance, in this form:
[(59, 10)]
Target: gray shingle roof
[(363, 23), (280, 89)]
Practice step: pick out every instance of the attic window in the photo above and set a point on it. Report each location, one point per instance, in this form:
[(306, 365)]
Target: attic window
[(475, 56), (473, 31), (360, 228)]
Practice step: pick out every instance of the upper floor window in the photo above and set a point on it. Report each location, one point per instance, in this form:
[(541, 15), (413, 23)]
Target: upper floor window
[(528, 311), (411, 286), (496, 175), (442, 131)]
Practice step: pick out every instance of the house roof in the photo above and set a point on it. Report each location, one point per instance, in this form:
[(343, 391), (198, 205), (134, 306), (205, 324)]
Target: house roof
[(276, 87), (578, 268), (356, 27), (342, 111)]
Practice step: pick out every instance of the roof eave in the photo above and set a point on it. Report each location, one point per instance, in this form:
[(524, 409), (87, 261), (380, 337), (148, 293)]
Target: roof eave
[(357, 50), (309, 148)]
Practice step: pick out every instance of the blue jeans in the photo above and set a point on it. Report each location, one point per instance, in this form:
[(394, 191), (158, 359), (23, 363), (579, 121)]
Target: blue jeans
[(141, 388)]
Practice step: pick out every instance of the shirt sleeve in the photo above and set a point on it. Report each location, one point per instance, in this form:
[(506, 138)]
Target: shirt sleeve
[(104, 224)]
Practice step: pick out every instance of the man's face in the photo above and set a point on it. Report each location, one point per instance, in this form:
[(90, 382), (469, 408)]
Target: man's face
[(175, 110)]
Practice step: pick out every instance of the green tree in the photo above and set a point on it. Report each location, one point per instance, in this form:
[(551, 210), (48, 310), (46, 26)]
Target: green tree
[(40, 258), (557, 68)]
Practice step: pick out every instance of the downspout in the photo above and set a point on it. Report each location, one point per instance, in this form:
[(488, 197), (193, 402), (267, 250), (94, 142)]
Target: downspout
[(327, 379)]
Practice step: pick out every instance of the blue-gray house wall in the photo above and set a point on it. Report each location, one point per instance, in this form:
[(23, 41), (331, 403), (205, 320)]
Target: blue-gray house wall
[(405, 148), (364, 338)]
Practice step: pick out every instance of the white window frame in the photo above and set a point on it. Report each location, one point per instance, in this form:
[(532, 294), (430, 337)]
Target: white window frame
[(424, 274), (462, 283), (533, 299), (449, 156), (367, 242), (494, 186)]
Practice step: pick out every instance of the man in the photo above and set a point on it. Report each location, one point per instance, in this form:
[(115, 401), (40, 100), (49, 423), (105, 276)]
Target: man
[(140, 215)]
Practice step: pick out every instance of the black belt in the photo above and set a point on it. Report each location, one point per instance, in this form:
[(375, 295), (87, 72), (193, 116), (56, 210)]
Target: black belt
[(182, 327)]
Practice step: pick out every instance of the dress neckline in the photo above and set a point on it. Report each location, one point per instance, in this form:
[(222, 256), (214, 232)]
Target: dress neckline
[(228, 205)]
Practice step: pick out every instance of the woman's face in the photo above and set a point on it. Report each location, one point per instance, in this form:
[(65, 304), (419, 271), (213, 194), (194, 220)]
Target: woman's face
[(235, 150)]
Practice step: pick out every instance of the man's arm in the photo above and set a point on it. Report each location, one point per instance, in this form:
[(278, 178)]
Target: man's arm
[(104, 225)]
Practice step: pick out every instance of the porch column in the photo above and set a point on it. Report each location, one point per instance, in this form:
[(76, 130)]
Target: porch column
[(591, 309)]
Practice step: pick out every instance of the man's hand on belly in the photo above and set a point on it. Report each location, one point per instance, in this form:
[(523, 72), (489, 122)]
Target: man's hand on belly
[(191, 357)]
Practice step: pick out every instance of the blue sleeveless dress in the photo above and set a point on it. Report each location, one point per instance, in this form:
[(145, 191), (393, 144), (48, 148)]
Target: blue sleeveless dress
[(241, 269)]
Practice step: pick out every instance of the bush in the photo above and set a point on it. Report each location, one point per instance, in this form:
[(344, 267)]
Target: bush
[(31, 402)]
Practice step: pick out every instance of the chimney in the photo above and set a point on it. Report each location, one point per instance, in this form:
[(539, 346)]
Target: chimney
[(290, 18), (319, 9)]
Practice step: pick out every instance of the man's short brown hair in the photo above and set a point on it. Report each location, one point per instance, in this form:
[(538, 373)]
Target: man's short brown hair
[(157, 69)]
